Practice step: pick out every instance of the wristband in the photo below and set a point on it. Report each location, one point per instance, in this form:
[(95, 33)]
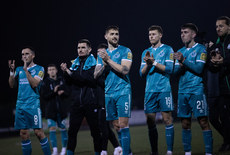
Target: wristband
[(11, 73), (155, 63)]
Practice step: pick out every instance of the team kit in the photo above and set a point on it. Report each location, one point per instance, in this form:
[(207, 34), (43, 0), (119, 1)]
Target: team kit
[(100, 91)]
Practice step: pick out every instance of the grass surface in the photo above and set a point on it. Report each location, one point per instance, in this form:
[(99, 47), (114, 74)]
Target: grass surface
[(139, 142)]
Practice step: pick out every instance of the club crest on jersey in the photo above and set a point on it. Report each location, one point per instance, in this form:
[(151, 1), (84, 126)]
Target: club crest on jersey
[(193, 54), (33, 72), (162, 53), (117, 55)]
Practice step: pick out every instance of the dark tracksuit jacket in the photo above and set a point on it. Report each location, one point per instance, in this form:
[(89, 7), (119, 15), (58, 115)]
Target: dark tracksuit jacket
[(55, 104), (84, 104), (218, 89)]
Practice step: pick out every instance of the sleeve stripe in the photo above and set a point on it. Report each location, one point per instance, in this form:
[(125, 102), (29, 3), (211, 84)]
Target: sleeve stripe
[(125, 60), (200, 61), (168, 61), (38, 77)]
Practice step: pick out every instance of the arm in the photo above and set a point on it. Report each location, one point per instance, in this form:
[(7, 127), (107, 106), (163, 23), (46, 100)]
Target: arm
[(197, 67), (98, 70), (33, 81), (12, 74), (46, 91), (122, 68), (86, 76)]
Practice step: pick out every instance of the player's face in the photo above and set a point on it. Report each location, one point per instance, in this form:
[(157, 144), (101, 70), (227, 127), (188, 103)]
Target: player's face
[(222, 28), (100, 50), (83, 49), (52, 71), (27, 55), (187, 35), (112, 36), (154, 36)]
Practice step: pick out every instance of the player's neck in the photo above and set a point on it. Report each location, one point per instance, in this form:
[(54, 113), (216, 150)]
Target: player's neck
[(30, 64), (112, 47), (190, 44), (158, 44)]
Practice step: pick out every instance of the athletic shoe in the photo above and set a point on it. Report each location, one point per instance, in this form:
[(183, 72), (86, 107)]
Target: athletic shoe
[(63, 151), (169, 153), (117, 151), (188, 153), (103, 152)]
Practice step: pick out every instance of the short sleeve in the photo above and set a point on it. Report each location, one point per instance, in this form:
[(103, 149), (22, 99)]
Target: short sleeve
[(127, 55), (202, 56), (40, 73)]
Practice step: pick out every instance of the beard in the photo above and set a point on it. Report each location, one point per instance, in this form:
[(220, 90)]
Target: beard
[(114, 44)]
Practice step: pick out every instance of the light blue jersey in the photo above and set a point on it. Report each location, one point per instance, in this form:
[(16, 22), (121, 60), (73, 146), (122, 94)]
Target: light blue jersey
[(26, 94), (116, 83), (191, 80), (156, 80)]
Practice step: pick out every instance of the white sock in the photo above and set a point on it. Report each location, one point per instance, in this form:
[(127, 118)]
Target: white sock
[(63, 149), (187, 153), (55, 149)]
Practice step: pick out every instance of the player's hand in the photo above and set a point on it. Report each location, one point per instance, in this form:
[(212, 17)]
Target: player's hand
[(25, 65), (149, 59), (217, 60), (56, 88), (104, 55), (11, 64), (179, 56), (64, 67), (60, 92)]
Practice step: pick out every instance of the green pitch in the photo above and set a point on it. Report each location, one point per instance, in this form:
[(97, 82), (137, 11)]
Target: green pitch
[(139, 142)]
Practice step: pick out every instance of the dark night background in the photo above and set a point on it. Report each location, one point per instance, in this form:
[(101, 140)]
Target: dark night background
[(53, 28)]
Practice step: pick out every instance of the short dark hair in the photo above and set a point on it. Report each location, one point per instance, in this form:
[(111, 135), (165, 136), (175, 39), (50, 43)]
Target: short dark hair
[(29, 47), (102, 45), (85, 41), (226, 19), (51, 65), (111, 27), (190, 26), (156, 27)]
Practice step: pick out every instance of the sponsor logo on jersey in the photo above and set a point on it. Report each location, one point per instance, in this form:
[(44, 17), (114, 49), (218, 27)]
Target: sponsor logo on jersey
[(203, 56), (130, 56), (23, 81)]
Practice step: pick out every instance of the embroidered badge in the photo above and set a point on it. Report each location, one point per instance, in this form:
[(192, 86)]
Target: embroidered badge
[(130, 56), (41, 74), (203, 56)]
